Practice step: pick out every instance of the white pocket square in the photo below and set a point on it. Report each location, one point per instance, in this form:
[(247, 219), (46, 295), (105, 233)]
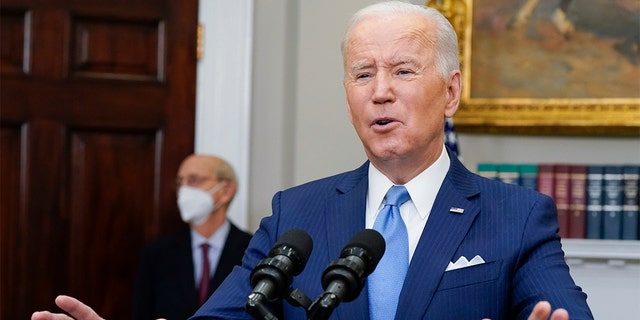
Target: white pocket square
[(463, 263)]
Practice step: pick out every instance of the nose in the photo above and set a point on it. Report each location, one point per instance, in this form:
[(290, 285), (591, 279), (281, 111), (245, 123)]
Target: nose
[(383, 89)]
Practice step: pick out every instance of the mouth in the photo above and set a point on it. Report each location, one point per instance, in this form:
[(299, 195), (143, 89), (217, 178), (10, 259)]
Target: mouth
[(382, 122)]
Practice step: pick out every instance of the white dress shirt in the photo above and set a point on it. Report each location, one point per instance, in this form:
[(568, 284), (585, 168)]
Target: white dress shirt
[(216, 243), (423, 190)]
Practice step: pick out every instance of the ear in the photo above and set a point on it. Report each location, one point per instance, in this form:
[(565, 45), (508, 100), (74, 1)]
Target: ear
[(227, 192), (454, 92), (349, 111), (348, 105)]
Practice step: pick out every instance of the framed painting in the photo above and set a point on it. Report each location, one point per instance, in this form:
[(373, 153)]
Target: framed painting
[(548, 67)]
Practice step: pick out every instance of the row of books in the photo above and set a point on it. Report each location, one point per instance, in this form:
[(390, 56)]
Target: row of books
[(594, 201)]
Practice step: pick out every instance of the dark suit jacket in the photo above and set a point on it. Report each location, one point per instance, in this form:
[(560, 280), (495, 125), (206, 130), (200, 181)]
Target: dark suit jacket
[(165, 284), (512, 228)]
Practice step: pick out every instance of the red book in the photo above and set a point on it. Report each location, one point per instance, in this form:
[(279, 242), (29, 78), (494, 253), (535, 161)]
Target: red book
[(561, 195), (545, 179), (577, 201)]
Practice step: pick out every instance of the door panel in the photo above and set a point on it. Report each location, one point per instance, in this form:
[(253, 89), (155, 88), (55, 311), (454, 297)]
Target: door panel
[(97, 111)]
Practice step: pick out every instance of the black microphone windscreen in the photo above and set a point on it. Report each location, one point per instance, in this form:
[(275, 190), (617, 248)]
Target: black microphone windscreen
[(300, 241), (371, 241)]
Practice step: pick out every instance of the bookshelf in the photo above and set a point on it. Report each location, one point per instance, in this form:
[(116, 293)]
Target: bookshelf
[(609, 273), (593, 201), (612, 252), (595, 206)]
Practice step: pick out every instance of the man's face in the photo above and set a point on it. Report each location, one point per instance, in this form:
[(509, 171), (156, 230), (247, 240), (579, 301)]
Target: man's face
[(197, 171), (397, 99)]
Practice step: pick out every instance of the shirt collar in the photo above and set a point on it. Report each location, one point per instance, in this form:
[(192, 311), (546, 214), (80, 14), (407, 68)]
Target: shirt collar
[(216, 240), (423, 188)]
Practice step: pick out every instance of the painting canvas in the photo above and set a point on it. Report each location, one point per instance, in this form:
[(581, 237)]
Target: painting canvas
[(556, 49), (548, 66)]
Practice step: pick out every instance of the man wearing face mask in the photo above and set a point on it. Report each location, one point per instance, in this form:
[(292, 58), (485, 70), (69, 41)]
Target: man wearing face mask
[(173, 280)]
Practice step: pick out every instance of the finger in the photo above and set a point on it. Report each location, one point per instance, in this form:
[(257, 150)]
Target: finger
[(76, 308), (46, 315), (540, 311), (560, 314)]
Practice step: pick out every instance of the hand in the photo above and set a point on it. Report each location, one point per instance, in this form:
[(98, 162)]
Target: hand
[(542, 310), (73, 306)]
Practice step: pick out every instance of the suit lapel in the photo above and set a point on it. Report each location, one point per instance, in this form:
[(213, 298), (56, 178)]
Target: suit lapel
[(186, 270), (231, 255), (440, 239), (345, 217), (443, 233)]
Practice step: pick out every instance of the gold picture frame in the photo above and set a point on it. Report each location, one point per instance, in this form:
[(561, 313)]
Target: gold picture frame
[(577, 116)]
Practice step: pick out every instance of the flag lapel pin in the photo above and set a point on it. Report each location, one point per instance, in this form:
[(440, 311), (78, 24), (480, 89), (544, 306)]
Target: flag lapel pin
[(456, 210)]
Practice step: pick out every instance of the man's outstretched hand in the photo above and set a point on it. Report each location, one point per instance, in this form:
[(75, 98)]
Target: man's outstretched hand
[(542, 310), (72, 306)]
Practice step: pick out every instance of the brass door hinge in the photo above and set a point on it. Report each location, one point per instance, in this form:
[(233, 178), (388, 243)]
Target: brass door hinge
[(200, 41)]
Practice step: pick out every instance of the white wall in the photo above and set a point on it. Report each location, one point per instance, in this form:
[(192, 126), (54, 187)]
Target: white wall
[(298, 126), (274, 107), (223, 97), (528, 149)]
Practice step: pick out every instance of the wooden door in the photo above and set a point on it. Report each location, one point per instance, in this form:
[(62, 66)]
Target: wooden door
[(97, 106)]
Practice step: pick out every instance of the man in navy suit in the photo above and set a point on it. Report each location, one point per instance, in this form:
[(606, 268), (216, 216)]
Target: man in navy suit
[(171, 268), (477, 248)]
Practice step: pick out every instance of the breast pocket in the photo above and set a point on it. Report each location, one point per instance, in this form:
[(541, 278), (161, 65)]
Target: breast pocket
[(486, 272)]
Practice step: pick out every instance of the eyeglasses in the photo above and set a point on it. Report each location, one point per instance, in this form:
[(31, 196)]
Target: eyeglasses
[(192, 180)]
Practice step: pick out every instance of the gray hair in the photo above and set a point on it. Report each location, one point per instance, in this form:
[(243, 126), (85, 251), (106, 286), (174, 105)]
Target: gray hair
[(225, 172), (447, 58)]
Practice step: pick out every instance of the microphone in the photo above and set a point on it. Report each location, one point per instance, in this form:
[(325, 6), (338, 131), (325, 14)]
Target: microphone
[(344, 278), (272, 276)]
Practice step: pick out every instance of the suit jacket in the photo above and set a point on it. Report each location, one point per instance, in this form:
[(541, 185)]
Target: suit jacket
[(512, 228), (165, 284)]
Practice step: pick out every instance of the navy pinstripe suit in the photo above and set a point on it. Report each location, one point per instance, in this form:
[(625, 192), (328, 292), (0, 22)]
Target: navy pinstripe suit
[(512, 228)]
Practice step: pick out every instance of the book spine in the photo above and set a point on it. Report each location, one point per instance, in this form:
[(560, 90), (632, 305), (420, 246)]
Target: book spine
[(509, 173), (529, 176), (545, 179), (595, 199), (631, 203), (561, 194), (488, 170), (577, 201), (612, 209)]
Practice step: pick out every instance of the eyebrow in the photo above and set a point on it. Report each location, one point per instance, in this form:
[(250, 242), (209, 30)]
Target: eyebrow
[(404, 60), (360, 66), (394, 63)]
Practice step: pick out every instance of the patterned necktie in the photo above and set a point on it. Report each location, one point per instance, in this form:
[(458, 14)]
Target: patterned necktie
[(385, 283), (203, 290)]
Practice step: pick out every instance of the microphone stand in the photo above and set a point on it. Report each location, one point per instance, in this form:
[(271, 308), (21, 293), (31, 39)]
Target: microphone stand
[(256, 308), (318, 310), (322, 308)]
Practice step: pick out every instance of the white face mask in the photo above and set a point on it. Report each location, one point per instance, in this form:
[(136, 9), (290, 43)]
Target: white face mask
[(196, 205)]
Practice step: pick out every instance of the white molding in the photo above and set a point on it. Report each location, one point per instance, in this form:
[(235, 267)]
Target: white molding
[(223, 93), (608, 271), (593, 249)]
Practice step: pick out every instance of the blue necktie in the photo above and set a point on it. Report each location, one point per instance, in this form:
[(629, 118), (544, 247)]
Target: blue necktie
[(385, 283)]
